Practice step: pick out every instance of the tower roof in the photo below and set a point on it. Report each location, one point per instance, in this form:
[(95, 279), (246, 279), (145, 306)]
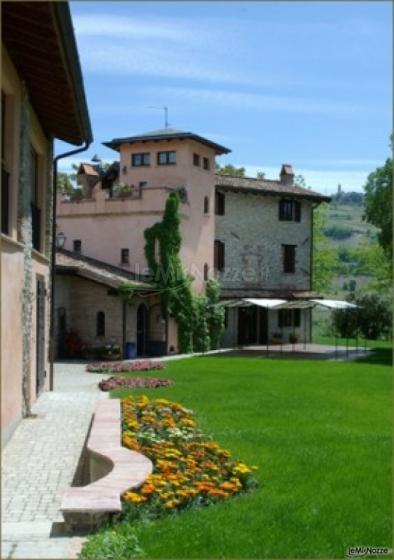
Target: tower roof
[(165, 134)]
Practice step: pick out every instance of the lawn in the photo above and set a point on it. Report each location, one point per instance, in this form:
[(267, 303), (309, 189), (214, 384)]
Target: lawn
[(319, 432)]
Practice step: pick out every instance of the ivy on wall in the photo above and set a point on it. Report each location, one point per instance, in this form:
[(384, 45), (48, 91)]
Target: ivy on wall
[(199, 318)]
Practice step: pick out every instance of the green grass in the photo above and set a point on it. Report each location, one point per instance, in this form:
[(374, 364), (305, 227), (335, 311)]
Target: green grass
[(320, 433)]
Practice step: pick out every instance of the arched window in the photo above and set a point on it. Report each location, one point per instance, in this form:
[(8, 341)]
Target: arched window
[(206, 270), (206, 205), (100, 323)]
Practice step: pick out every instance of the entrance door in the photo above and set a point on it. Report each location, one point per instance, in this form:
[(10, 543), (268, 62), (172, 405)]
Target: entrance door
[(142, 329), (263, 325), (247, 325), (40, 335)]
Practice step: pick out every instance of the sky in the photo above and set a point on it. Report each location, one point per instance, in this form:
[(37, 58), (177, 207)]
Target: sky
[(305, 83)]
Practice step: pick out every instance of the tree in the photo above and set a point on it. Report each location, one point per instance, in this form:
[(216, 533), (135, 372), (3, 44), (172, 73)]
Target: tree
[(230, 170), (378, 204), (324, 259), (64, 183), (371, 319)]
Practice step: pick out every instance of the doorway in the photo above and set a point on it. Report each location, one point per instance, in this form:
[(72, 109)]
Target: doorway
[(142, 329), (247, 325), (40, 335)]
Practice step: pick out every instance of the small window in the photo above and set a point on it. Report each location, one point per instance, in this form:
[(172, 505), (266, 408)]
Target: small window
[(219, 204), (196, 160), (206, 205), (77, 245), (219, 257), (289, 258), (140, 160), (289, 210), (124, 256), (100, 323), (206, 163), (166, 158), (206, 272), (289, 318)]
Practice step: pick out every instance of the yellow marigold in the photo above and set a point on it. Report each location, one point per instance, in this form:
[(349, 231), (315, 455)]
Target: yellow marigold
[(134, 498), (171, 504)]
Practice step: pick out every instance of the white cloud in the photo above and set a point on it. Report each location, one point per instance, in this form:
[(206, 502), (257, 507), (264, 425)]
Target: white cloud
[(261, 101), (118, 27)]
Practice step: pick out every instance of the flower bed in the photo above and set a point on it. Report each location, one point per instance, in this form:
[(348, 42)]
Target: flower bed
[(189, 468), (122, 366), (133, 382)]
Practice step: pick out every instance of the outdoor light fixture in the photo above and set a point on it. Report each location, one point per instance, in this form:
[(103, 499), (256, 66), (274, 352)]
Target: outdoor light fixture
[(60, 240)]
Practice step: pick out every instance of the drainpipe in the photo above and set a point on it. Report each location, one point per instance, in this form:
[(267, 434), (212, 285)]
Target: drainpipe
[(53, 258)]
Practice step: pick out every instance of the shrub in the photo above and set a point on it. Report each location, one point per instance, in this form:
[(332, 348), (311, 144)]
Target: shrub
[(138, 365), (133, 382), (372, 319), (117, 542)]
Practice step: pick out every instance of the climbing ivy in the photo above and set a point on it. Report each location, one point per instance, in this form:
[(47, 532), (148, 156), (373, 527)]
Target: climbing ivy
[(199, 318)]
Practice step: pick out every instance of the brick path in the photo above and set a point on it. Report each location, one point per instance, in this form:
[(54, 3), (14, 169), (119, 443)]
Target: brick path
[(39, 463)]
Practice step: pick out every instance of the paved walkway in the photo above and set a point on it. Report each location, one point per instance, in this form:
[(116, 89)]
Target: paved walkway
[(39, 463)]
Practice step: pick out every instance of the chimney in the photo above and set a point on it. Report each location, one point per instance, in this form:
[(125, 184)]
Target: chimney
[(287, 174)]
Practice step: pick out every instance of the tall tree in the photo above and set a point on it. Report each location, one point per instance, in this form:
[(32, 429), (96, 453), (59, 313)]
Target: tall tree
[(378, 209), (324, 259)]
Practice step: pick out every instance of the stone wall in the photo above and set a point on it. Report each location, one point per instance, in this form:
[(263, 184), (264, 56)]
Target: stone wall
[(253, 237)]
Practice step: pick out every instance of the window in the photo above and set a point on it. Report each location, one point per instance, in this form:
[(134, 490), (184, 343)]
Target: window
[(5, 201), (206, 205), (219, 250), (166, 158), (289, 210), (289, 258), (196, 160), (205, 162), (140, 160), (77, 245), (100, 323), (289, 318), (206, 271), (124, 256), (219, 204), (225, 317), (35, 209)]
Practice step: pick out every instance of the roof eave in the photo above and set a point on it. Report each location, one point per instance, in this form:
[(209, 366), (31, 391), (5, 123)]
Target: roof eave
[(267, 192), (63, 19)]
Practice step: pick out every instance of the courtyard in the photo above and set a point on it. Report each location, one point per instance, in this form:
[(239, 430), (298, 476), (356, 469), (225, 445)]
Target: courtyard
[(308, 425)]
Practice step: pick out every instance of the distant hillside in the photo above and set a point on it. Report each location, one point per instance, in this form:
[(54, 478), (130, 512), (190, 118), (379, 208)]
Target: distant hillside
[(347, 232)]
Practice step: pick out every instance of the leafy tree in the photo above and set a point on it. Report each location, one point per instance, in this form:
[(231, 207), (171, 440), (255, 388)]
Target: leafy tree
[(378, 204), (230, 170), (260, 175), (324, 258), (372, 319), (64, 183)]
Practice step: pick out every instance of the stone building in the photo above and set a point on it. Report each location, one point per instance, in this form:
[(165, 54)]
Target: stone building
[(254, 235), (42, 99), (263, 241)]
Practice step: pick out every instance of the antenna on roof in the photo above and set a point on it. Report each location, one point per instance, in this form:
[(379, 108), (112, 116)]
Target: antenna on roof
[(165, 109)]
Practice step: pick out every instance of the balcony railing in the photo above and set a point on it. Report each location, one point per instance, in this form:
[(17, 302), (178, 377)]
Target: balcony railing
[(36, 226), (5, 202)]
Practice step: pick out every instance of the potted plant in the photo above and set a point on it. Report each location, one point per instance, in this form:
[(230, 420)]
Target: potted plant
[(276, 338)]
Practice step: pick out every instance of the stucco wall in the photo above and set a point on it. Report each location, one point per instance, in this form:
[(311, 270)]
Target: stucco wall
[(19, 263), (82, 299), (106, 226), (253, 237)]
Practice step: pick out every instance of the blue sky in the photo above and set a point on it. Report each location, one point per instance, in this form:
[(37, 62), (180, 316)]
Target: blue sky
[(306, 83)]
